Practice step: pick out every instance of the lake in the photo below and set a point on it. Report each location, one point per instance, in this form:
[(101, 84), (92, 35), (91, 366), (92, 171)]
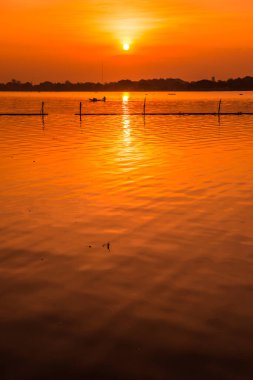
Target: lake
[(126, 243)]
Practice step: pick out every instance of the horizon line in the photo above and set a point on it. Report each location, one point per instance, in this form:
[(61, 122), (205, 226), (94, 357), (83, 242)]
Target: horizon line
[(212, 79)]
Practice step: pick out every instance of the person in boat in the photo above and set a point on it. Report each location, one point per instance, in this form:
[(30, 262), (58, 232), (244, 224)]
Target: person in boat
[(98, 100)]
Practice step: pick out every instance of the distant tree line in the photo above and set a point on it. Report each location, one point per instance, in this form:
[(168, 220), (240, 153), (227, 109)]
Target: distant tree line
[(169, 84)]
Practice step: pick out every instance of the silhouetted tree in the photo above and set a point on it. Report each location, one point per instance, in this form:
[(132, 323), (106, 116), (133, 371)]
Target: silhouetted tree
[(161, 84)]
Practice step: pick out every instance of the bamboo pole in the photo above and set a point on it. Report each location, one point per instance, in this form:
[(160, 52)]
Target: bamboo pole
[(80, 111), (219, 107), (144, 106)]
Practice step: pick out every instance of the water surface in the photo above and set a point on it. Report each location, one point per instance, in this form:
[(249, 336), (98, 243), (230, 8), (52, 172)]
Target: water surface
[(126, 243)]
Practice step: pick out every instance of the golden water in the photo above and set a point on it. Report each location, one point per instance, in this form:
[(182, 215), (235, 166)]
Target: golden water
[(126, 243)]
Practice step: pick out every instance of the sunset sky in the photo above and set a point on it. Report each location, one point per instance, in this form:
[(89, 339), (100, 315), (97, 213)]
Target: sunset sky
[(82, 40)]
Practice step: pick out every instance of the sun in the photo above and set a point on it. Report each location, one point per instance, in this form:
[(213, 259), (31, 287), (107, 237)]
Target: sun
[(126, 47)]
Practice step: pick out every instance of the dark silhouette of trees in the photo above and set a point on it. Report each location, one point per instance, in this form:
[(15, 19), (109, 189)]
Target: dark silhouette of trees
[(167, 84)]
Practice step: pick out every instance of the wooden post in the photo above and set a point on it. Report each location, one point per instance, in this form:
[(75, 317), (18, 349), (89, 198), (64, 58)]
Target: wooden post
[(42, 108), (80, 111), (219, 107), (144, 106)]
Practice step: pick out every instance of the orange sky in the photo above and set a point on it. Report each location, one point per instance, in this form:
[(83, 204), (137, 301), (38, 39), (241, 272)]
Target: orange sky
[(62, 40)]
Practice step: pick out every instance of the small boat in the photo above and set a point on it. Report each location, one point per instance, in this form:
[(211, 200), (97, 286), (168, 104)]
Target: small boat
[(97, 100)]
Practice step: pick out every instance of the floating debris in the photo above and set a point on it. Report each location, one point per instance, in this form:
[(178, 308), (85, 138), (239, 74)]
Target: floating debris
[(107, 246)]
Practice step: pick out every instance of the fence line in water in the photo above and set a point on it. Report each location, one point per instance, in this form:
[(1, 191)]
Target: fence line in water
[(144, 113), (41, 113)]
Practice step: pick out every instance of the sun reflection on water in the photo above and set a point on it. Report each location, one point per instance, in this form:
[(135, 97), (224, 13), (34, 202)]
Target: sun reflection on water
[(125, 98), (125, 119)]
